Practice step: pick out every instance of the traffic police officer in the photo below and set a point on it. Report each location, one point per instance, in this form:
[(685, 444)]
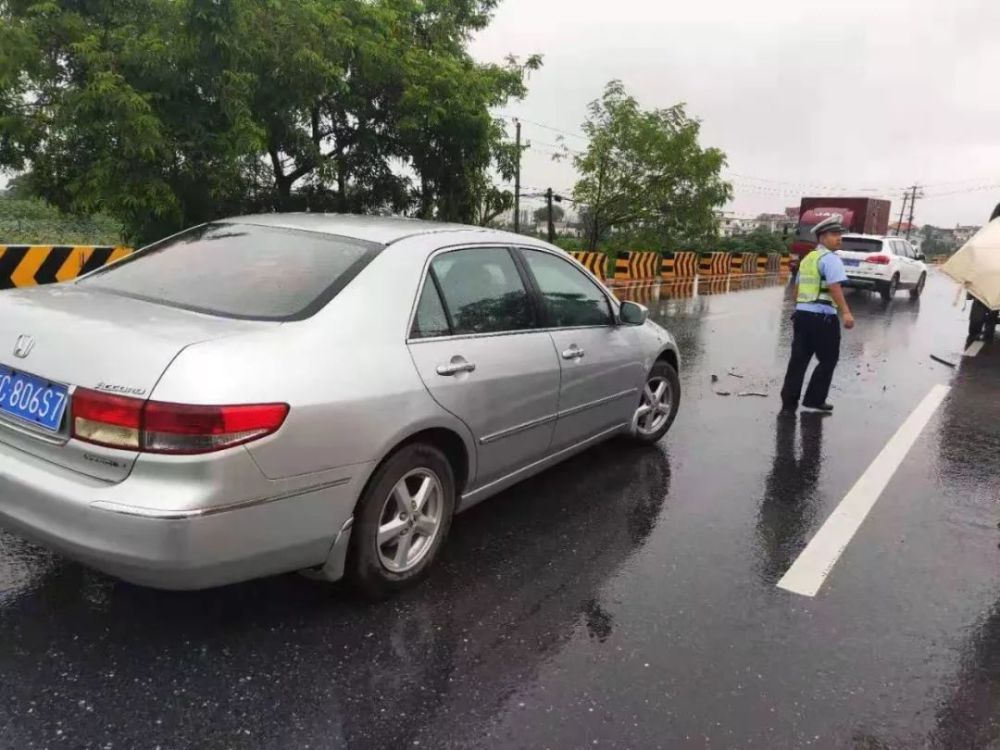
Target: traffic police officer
[(818, 295)]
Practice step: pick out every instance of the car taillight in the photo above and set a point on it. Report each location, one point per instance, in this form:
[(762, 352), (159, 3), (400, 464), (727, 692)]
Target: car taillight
[(102, 419), (879, 260), (157, 427), (179, 428)]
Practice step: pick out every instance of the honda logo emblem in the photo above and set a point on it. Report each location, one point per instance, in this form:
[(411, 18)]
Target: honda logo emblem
[(23, 346)]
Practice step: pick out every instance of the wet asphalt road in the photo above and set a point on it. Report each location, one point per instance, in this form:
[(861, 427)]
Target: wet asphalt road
[(626, 599)]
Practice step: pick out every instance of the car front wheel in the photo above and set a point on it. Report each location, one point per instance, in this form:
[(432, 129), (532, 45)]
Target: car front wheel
[(401, 521), (658, 403)]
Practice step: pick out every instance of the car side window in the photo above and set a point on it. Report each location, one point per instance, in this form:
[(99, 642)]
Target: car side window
[(483, 291), (431, 319), (571, 299)]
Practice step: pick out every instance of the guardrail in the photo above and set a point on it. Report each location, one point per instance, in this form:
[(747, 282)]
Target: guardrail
[(30, 265), (632, 266)]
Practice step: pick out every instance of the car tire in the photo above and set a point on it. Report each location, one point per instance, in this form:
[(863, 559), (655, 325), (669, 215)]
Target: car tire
[(919, 288), (888, 291), (376, 565), (649, 427)]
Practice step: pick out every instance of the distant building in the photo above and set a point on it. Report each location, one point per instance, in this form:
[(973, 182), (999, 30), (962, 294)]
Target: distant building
[(899, 229), (732, 224), (775, 222), (964, 234)]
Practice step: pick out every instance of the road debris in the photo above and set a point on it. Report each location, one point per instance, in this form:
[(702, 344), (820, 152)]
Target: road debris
[(734, 374), (723, 393), (943, 361), (762, 394), (715, 378)]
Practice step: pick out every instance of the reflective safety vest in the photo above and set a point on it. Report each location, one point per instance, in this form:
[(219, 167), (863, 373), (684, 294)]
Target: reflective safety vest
[(812, 286)]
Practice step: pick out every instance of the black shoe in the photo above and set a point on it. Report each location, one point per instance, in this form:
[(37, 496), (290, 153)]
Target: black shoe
[(822, 408), (786, 410)]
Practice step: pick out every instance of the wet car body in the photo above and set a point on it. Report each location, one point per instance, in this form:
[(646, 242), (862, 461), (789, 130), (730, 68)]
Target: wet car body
[(224, 423)]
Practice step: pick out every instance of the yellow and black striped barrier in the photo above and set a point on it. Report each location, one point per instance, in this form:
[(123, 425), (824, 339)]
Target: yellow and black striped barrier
[(773, 262), (736, 264), (668, 266), (749, 262), (593, 261), (685, 264), (785, 264), (714, 264), (762, 263), (30, 265), (637, 266)]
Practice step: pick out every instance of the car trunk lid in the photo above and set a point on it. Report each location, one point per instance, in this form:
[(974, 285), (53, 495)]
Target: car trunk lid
[(82, 337)]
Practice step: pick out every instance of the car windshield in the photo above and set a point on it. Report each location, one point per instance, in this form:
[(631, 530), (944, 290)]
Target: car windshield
[(240, 271), (861, 245)]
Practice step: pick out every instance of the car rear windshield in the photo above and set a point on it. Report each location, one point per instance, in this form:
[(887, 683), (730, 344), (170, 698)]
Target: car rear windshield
[(860, 245), (240, 271)]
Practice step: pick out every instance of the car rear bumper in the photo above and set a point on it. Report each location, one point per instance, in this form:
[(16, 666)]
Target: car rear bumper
[(176, 544), (867, 278)]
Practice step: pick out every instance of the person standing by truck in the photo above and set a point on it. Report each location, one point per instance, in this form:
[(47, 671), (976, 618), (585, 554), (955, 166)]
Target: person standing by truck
[(819, 295), (980, 316)]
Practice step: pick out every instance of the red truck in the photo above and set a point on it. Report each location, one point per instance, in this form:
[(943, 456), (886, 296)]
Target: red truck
[(860, 216)]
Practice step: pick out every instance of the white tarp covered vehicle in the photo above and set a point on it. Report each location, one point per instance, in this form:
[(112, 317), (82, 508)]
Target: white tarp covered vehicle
[(976, 266)]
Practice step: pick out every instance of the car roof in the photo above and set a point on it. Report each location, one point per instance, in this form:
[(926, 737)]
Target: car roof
[(381, 229)]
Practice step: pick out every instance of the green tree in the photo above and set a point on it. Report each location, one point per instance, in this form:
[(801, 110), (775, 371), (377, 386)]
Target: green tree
[(165, 113), (645, 175), (541, 215)]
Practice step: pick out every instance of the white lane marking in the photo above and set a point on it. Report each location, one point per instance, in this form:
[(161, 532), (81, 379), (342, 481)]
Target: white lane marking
[(974, 348), (811, 568)]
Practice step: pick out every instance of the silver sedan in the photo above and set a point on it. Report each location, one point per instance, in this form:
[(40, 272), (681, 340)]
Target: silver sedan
[(307, 392)]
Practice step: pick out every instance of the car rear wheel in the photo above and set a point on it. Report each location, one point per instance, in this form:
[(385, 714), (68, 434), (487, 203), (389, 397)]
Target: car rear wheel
[(919, 288), (658, 403), (401, 521), (888, 291)]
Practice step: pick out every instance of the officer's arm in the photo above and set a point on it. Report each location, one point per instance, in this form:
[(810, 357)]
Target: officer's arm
[(837, 292)]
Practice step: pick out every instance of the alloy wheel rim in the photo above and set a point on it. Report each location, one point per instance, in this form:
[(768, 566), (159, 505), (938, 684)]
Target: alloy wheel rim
[(410, 521), (655, 406)]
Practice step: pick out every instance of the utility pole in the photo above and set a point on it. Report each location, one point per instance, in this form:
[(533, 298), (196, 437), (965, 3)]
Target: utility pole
[(913, 200), (902, 211), (517, 179), (548, 204)]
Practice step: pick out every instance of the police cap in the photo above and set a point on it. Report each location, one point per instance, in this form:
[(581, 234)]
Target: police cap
[(832, 223)]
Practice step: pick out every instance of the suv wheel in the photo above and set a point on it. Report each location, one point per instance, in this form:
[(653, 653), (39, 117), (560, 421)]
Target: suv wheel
[(919, 288), (888, 291), (401, 521)]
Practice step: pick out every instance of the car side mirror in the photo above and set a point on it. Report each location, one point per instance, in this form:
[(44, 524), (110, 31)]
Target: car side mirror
[(921, 256), (633, 314)]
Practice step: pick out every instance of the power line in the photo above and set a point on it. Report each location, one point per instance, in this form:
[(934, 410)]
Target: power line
[(546, 127)]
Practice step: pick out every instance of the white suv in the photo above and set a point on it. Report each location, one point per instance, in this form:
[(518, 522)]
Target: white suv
[(883, 264)]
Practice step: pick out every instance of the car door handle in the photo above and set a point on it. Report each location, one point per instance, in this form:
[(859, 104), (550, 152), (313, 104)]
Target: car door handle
[(574, 352), (455, 367)]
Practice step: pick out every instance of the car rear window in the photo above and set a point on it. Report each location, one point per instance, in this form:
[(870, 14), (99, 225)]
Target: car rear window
[(861, 245), (240, 271)]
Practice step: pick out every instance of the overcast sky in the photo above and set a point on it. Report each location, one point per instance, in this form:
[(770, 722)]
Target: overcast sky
[(857, 94)]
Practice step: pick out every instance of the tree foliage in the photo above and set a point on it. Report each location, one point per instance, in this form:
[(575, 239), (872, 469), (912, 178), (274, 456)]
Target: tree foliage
[(166, 113), (644, 174), (760, 240), (541, 215)]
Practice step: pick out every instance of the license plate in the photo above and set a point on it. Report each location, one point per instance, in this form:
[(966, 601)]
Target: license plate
[(32, 399), (852, 263)]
